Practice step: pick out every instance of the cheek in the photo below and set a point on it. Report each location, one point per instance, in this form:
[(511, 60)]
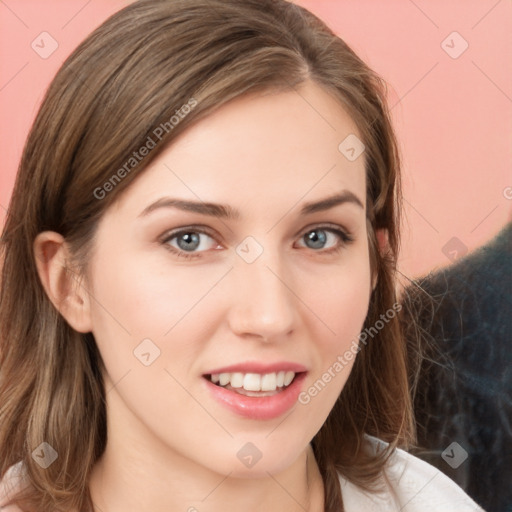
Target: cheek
[(341, 305), (342, 300), (144, 324), (135, 301), (136, 294)]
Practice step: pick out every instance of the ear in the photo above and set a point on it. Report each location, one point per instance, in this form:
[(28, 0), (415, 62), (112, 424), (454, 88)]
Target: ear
[(382, 244), (61, 283)]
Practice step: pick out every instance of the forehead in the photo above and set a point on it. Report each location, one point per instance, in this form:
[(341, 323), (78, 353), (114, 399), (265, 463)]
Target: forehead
[(259, 151)]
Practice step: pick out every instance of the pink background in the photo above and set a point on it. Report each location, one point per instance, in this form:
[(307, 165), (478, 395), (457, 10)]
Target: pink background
[(453, 115)]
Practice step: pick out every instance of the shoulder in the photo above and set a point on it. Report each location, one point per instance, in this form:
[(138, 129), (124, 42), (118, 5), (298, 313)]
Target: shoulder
[(10, 485), (412, 485)]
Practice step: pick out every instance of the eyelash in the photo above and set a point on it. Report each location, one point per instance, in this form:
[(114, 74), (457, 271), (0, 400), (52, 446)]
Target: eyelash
[(346, 239)]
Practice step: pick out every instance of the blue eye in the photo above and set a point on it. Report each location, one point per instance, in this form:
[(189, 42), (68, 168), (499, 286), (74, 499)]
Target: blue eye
[(188, 243), (318, 237)]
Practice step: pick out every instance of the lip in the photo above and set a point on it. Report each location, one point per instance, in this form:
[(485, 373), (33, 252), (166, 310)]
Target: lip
[(262, 369), (257, 408)]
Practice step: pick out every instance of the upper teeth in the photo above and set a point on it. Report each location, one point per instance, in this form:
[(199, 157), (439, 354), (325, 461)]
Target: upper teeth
[(254, 381)]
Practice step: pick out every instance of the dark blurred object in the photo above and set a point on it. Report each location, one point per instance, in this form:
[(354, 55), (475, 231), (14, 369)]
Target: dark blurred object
[(463, 390)]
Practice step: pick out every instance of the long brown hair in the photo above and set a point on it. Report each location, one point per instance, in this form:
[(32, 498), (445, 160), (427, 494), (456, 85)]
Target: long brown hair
[(128, 78)]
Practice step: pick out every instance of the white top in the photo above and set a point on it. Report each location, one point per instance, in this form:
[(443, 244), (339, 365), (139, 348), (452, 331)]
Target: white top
[(413, 486)]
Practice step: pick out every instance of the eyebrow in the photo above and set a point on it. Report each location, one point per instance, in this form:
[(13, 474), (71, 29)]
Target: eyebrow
[(227, 212)]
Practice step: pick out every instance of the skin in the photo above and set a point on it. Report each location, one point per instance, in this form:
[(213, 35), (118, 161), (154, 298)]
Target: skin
[(171, 446)]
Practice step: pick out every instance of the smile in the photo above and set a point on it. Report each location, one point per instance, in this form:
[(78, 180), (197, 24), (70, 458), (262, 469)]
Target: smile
[(262, 392), (254, 384)]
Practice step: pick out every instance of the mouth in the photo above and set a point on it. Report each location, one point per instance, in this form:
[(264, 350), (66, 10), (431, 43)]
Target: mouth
[(262, 392), (254, 384)]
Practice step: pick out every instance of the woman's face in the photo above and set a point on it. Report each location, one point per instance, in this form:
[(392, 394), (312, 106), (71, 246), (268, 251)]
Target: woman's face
[(265, 287)]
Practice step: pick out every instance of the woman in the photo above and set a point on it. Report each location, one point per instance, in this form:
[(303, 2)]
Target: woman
[(198, 278)]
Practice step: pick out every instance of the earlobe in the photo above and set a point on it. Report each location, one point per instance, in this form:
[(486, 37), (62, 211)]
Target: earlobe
[(382, 245), (61, 284), (382, 240)]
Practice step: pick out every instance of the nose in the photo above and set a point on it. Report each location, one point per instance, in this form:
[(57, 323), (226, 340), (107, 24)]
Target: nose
[(263, 303)]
